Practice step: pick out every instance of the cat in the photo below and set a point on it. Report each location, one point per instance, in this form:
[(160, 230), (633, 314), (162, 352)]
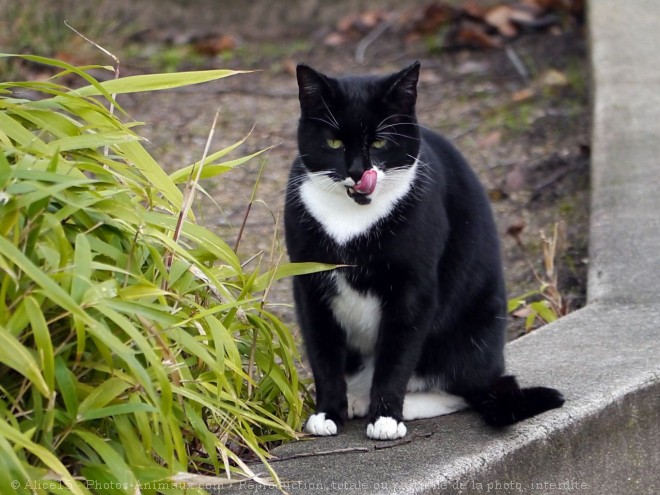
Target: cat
[(412, 323)]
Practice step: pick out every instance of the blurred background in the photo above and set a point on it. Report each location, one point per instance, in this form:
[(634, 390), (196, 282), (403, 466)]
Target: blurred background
[(507, 81)]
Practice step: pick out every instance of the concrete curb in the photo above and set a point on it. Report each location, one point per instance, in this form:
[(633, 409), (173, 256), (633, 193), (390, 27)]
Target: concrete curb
[(603, 357)]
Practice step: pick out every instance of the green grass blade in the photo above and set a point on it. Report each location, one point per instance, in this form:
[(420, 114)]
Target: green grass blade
[(213, 169), (116, 410), (16, 356), (289, 270), (42, 338), (120, 471), (102, 395), (154, 82), (48, 458)]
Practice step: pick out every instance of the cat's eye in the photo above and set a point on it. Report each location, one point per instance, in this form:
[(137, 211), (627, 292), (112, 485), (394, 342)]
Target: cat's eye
[(335, 144), (378, 144)]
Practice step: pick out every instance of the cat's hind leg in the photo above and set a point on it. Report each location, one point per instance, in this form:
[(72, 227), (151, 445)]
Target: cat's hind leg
[(419, 405), (358, 390)]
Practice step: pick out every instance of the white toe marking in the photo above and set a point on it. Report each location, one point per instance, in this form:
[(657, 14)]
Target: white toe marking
[(420, 405), (386, 428), (319, 426)]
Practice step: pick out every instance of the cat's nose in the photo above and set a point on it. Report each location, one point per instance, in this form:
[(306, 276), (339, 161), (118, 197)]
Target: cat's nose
[(356, 169)]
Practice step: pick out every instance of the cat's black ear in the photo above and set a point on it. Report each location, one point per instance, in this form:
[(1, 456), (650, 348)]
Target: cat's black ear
[(313, 87), (402, 89)]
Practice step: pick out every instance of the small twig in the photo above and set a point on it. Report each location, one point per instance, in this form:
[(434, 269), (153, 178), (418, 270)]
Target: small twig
[(319, 453), (373, 35), (348, 450), (249, 206), (189, 194), (251, 361), (106, 148), (517, 63), (556, 176), (403, 441), (464, 132)]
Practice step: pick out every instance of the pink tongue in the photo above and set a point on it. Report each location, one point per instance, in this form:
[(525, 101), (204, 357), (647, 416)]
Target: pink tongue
[(367, 183)]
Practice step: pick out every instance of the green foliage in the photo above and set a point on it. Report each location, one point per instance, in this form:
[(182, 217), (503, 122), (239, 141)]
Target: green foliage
[(132, 350), (545, 304), (538, 310)]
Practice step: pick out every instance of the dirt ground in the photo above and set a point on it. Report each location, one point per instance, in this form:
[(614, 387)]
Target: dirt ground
[(519, 113)]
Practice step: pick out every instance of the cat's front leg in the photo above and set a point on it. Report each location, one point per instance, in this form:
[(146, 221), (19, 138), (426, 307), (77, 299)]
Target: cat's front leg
[(325, 343), (400, 339), (331, 406)]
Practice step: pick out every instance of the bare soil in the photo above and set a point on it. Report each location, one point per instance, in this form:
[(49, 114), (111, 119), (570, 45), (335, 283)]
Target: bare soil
[(519, 114)]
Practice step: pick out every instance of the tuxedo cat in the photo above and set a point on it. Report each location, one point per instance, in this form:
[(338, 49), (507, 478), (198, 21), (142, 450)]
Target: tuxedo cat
[(412, 324)]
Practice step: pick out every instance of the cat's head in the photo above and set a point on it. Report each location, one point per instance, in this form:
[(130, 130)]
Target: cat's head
[(358, 130)]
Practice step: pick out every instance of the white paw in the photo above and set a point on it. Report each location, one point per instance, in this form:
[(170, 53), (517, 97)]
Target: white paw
[(319, 426), (386, 428), (358, 406)]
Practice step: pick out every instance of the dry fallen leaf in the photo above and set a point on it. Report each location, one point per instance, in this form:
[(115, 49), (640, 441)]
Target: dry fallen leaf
[(522, 95), (553, 78), (491, 139), (516, 228), (432, 17), (500, 18), (473, 35), (213, 44), (523, 312), (515, 180), (335, 39)]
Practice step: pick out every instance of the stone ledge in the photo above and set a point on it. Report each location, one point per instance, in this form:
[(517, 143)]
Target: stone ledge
[(604, 439)]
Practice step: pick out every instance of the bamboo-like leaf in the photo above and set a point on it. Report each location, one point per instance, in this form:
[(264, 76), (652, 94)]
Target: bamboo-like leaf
[(513, 304), (84, 316), (98, 88), (102, 395), (160, 181), (82, 268), (183, 174), (13, 473), (20, 134), (135, 451), (213, 169), (150, 354), (116, 410), (66, 384), (5, 175), (16, 356), (285, 270), (57, 295), (90, 141), (121, 472), (58, 124), (543, 310), (154, 82), (42, 338), (48, 458)]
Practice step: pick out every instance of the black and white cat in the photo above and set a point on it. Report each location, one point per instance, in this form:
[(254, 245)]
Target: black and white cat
[(412, 325)]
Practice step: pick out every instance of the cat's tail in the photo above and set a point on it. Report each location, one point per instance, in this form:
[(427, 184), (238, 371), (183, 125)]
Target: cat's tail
[(506, 403)]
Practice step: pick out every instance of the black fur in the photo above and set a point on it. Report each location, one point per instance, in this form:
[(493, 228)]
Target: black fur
[(434, 261)]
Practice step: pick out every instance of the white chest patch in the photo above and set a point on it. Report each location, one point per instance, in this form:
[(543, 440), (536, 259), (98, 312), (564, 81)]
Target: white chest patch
[(342, 218), (359, 315)]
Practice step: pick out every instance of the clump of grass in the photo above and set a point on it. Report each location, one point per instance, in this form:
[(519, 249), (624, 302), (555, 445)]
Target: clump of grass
[(545, 304), (125, 338)]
